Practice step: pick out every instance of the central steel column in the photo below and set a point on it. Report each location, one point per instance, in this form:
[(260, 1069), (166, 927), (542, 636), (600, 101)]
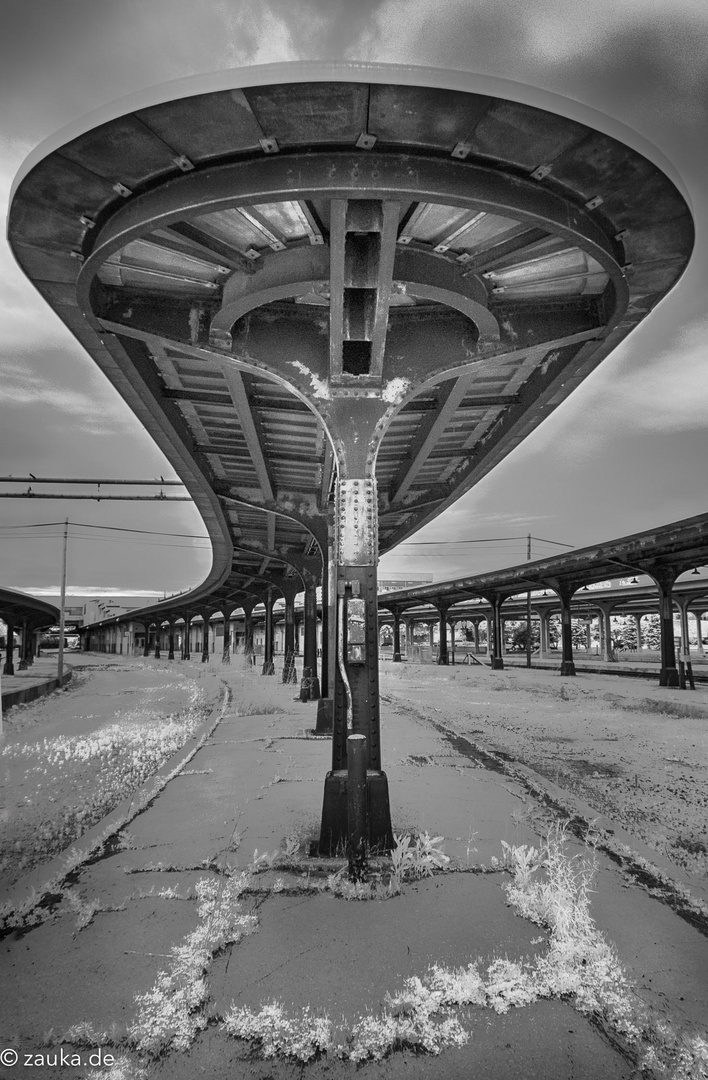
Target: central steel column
[(186, 654), (356, 707), (158, 637), (171, 640), (146, 645)]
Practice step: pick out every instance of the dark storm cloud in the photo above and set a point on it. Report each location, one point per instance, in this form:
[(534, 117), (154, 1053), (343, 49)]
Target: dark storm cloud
[(636, 58)]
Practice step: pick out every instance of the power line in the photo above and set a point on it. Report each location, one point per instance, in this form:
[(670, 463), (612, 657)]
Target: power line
[(82, 480), (107, 528), (486, 540)]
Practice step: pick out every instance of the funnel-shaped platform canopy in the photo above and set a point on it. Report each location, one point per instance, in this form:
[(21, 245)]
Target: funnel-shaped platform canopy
[(364, 281), (342, 272)]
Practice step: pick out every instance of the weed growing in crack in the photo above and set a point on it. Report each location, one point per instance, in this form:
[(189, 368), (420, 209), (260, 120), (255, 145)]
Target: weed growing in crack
[(172, 1013), (418, 857), (255, 708), (83, 909), (101, 768), (301, 1036), (549, 887), (36, 907)]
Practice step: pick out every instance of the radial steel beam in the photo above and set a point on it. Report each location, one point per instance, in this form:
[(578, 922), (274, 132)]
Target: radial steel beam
[(250, 425)]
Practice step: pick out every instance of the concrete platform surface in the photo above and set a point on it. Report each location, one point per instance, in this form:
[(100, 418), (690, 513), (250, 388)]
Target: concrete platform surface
[(253, 779)]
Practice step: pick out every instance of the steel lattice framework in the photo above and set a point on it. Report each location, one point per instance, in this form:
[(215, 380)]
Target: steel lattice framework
[(349, 279)]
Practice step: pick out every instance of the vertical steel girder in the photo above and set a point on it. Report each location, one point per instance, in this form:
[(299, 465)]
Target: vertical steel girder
[(289, 673), (665, 578), (23, 664), (9, 667), (443, 657), (356, 696), (567, 664), (268, 665), (396, 636), (497, 659), (248, 607), (311, 682), (206, 616)]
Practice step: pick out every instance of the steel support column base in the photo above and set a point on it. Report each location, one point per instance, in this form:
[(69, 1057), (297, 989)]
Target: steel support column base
[(443, 660), (23, 665), (567, 667), (397, 658), (668, 676), (325, 716), (497, 663), (315, 689), (334, 829), (268, 668), (8, 669)]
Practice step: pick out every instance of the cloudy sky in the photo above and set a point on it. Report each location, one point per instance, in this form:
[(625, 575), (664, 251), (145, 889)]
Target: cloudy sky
[(625, 452)]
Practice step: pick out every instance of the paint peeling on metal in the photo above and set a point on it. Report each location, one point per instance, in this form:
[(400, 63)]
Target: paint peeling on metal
[(550, 359), (395, 390), (320, 388)]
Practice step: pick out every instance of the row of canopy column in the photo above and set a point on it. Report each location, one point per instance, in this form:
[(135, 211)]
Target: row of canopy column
[(664, 578), (157, 636), (29, 645)]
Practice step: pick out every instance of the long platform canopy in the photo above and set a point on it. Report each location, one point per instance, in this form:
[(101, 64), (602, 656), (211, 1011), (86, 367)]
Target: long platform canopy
[(673, 549), (300, 272)]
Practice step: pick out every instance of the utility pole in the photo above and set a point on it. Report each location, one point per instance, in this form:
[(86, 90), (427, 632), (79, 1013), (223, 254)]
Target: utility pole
[(60, 660), (528, 607)]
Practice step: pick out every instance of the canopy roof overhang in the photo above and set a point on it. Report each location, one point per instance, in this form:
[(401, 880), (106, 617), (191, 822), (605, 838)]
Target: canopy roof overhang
[(669, 549), (17, 607), (301, 271)]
